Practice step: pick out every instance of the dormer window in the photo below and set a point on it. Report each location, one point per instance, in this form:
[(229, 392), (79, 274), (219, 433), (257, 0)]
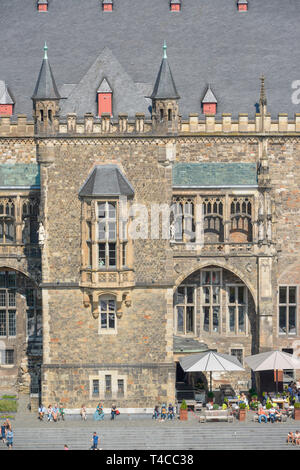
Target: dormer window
[(107, 5), (242, 5), (104, 98), (175, 5), (209, 102), (6, 101), (42, 5)]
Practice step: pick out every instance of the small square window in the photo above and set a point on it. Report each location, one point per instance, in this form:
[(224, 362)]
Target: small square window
[(9, 356), (95, 388)]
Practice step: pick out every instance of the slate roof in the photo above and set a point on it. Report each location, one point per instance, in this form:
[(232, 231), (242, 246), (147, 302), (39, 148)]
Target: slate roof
[(104, 87), (208, 42), (106, 180), (45, 86), (196, 175), (209, 97), (164, 87), (183, 344), (5, 97), (20, 175)]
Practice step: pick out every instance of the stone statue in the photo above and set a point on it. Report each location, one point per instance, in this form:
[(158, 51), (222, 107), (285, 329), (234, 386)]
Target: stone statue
[(261, 231), (42, 234), (269, 230), (26, 231)]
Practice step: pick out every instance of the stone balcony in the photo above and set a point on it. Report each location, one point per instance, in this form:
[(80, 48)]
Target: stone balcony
[(111, 278)]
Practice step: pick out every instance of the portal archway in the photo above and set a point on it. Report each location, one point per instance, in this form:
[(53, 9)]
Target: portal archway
[(213, 305)]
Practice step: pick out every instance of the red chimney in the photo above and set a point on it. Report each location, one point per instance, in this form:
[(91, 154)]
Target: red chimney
[(6, 101), (242, 5), (104, 94), (107, 5), (42, 5), (175, 5), (209, 102)]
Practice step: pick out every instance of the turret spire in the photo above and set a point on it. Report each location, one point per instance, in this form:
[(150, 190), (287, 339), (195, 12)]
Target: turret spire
[(45, 51), (45, 98), (165, 116)]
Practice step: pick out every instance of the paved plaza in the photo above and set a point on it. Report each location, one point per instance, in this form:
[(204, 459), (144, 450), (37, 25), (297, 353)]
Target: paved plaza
[(140, 432)]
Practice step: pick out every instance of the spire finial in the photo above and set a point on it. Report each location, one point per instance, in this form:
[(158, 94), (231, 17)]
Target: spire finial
[(45, 51), (165, 49), (263, 98)]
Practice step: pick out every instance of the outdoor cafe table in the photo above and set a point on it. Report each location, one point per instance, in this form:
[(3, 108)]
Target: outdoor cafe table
[(279, 401), (231, 401)]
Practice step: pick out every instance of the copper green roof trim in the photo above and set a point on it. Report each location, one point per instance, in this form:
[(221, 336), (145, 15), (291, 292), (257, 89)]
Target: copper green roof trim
[(20, 176), (201, 175)]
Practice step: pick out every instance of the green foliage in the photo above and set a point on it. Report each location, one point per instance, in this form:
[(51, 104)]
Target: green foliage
[(210, 395), (297, 405), (254, 405), (215, 407), (9, 397), (242, 406), (183, 405), (8, 405)]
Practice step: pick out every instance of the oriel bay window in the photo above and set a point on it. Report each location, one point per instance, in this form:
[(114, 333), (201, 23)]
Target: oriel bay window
[(107, 234), (104, 194)]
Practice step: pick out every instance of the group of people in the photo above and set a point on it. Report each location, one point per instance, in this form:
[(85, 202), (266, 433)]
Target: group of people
[(293, 438), (272, 414), (294, 392), (7, 434), (164, 412), (99, 413), (52, 412)]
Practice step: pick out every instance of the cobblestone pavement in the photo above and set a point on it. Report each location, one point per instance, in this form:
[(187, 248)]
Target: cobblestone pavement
[(130, 432)]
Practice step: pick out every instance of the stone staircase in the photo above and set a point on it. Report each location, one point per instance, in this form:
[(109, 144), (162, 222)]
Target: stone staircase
[(141, 433)]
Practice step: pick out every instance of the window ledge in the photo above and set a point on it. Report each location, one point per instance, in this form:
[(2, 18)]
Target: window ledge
[(103, 331)]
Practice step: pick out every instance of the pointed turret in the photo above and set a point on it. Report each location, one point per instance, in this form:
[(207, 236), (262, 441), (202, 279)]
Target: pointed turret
[(164, 98), (45, 97)]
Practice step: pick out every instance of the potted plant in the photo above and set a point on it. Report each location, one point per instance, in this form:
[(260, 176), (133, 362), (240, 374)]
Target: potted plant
[(183, 412), (242, 411), (297, 411), (215, 407), (210, 397)]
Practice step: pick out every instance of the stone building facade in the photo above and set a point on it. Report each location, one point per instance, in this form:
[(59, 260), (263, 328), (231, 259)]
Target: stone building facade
[(91, 313)]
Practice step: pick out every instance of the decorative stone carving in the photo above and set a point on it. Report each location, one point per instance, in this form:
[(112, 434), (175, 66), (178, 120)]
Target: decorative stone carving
[(42, 235)]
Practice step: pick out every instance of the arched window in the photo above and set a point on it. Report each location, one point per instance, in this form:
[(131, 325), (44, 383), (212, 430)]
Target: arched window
[(213, 219), (241, 220), (30, 226), (107, 313), (7, 221)]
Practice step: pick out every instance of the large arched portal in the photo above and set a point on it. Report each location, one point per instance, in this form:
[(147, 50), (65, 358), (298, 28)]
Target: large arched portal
[(215, 307), (20, 332)]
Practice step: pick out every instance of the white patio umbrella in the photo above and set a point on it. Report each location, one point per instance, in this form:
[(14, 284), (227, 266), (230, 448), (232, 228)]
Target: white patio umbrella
[(210, 361), (272, 360)]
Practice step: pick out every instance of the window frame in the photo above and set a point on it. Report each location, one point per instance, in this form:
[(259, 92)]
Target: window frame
[(186, 304), (287, 305), (107, 330), (236, 305), (6, 311), (211, 304)]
